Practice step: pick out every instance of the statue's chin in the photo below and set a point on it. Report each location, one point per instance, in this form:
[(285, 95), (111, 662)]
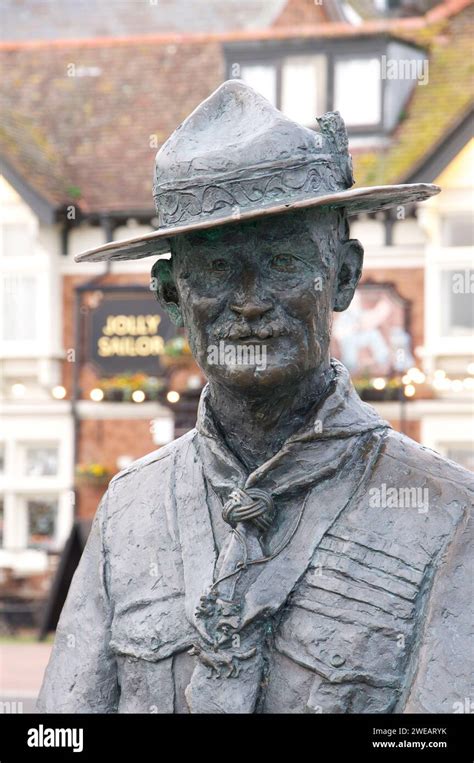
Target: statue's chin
[(273, 364), (251, 378)]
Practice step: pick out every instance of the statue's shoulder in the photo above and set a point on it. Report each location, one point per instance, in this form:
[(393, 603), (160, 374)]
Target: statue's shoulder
[(143, 493), (402, 453), (155, 463), (140, 500)]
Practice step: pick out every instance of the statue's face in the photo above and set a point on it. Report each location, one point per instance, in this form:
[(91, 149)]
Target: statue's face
[(257, 298)]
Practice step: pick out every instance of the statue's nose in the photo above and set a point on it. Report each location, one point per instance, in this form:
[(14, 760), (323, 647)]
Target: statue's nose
[(252, 308)]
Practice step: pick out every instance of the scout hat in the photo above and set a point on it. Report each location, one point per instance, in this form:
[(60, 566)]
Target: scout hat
[(236, 157)]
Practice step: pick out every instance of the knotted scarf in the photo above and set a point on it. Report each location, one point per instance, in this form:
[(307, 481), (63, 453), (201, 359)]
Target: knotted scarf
[(277, 515)]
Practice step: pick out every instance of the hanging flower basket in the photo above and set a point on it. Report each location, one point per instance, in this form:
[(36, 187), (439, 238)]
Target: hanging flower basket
[(177, 353), (121, 388), (92, 475)]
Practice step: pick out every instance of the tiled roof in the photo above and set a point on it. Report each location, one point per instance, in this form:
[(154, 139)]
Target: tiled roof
[(66, 19), (91, 138), (90, 19), (301, 13), (369, 9), (434, 109), (28, 150)]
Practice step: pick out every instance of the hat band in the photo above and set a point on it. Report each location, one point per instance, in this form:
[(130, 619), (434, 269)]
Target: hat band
[(224, 196)]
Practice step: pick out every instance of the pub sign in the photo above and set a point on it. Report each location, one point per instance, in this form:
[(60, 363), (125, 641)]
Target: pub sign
[(126, 330)]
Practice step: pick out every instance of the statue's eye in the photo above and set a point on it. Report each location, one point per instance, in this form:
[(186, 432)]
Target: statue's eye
[(283, 262), (219, 265)]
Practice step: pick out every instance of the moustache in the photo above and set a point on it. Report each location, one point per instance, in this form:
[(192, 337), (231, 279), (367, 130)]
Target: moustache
[(243, 330)]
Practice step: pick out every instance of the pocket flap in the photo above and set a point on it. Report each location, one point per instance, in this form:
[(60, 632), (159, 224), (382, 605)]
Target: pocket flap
[(151, 629), (340, 651)]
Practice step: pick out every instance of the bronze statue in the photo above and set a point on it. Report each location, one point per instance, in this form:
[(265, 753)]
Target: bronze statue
[(292, 553)]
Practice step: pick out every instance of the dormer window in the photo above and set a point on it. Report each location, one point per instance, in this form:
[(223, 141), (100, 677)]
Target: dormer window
[(352, 78), (368, 80), (294, 84), (303, 94), (263, 78)]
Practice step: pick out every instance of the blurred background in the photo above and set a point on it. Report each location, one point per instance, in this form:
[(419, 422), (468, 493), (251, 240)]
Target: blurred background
[(93, 375)]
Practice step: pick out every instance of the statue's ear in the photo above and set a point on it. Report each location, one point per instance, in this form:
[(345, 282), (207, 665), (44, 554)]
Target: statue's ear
[(351, 257), (164, 287)]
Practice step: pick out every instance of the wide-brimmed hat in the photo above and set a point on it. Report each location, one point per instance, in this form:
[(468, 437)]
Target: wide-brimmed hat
[(236, 158)]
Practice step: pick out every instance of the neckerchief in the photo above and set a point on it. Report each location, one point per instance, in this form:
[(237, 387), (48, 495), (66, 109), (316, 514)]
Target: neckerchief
[(293, 499)]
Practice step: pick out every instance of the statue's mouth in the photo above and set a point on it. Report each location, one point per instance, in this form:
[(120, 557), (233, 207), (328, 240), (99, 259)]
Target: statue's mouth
[(246, 333)]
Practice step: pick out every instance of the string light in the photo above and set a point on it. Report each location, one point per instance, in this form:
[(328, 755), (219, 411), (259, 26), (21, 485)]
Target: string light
[(172, 396), (96, 395), (138, 396), (415, 375), (441, 383)]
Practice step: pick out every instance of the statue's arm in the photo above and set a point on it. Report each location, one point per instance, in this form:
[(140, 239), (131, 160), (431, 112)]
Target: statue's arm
[(81, 676), (443, 677)]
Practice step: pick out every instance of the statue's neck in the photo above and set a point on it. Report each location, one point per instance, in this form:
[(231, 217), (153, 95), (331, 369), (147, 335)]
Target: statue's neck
[(254, 425)]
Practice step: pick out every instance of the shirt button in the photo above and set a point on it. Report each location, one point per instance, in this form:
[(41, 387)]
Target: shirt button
[(337, 660)]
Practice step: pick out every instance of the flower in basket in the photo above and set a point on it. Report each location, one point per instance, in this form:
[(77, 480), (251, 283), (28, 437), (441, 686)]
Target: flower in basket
[(152, 386), (177, 347), (177, 352), (93, 473), (122, 387)]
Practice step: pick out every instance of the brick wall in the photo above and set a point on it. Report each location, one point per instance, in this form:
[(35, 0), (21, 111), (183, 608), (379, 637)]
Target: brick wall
[(410, 428), (103, 441)]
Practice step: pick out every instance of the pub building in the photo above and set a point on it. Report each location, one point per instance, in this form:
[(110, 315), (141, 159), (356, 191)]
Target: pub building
[(93, 373)]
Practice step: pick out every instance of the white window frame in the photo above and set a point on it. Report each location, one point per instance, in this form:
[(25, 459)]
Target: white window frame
[(321, 63), (440, 260), (23, 508), (19, 432), (22, 447), (359, 126), (275, 74), (442, 431), (40, 264)]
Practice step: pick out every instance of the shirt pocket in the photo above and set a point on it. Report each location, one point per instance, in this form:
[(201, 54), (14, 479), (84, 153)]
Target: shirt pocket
[(151, 629), (352, 621), (146, 635)]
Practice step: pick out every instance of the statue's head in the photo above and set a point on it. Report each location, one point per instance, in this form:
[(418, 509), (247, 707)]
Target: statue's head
[(253, 208), (257, 297)]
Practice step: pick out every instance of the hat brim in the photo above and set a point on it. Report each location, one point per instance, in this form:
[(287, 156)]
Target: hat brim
[(355, 200)]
